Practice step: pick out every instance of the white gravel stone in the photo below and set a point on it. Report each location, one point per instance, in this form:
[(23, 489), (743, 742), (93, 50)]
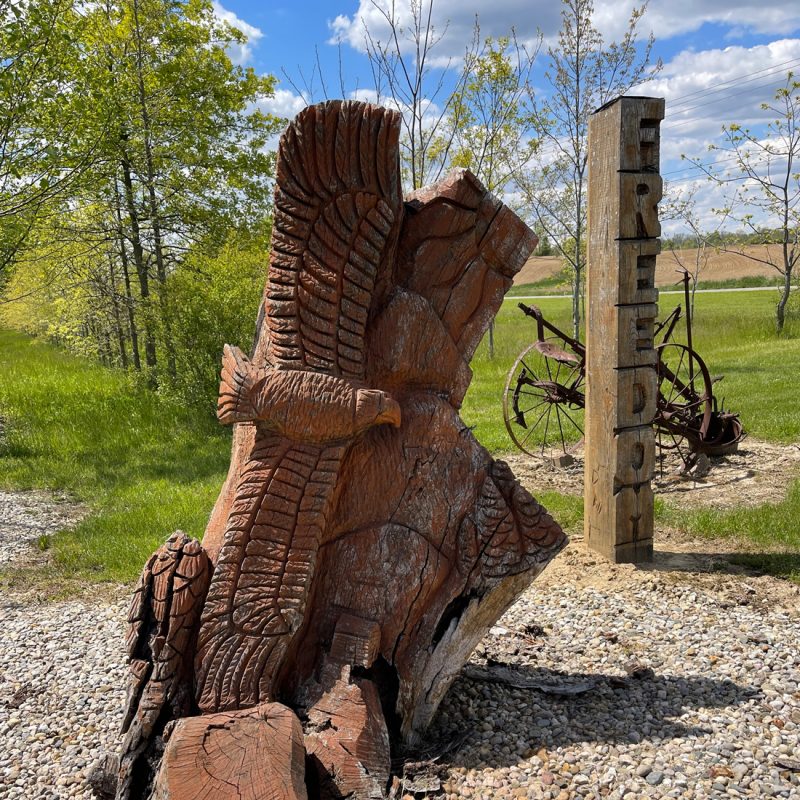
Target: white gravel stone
[(713, 719), (26, 517)]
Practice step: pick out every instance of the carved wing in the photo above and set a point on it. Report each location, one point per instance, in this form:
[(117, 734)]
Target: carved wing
[(258, 593), (337, 212), (508, 532)]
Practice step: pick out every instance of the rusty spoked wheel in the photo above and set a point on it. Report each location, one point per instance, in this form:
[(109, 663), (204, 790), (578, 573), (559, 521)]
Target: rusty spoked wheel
[(684, 404), (543, 400)]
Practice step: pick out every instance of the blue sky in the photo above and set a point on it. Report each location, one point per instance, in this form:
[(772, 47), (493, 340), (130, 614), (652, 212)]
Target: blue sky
[(722, 58)]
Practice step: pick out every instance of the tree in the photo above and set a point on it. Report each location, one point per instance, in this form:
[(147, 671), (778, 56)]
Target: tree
[(490, 127), (681, 206), (49, 128), (404, 76), (766, 173), (183, 167), (456, 112), (583, 73)]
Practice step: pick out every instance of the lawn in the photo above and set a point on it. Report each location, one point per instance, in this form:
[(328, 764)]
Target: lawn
[(733, 333), (146, 466)]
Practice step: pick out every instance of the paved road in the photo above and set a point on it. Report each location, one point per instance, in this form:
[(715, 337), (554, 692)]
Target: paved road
[(661, 291)]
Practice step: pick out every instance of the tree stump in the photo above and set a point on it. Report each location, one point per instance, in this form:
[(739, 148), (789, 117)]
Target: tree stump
[(364, 541)]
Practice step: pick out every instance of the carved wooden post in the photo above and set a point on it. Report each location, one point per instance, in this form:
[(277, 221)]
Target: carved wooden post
[(624, 191)]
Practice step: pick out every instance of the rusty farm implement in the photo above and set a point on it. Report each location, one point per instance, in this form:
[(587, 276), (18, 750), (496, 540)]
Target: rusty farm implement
[(544, 397)]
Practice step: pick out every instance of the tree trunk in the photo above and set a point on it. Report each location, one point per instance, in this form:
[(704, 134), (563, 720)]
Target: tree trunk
[(576, 305), (158, 245), (364, 542), (119, 332), (780, 309), (141, 271), (130, 303)]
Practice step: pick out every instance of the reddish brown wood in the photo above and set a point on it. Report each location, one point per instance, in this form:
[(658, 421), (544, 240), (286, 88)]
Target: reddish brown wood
[(162, 625), (364, 541), (256, 754)]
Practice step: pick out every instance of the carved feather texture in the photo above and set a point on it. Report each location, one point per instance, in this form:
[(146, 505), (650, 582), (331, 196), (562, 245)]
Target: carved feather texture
[(337, 210), (236, 385), (337, 214), (257, 597), (508, 532), (162, 623)]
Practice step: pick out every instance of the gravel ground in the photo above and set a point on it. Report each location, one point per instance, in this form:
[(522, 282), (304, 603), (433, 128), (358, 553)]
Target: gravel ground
[(27, 516), (691, 684), (711, 710), (61, 693)]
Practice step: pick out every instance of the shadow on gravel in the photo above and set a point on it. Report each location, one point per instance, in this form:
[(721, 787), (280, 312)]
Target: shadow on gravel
[(614, 710)]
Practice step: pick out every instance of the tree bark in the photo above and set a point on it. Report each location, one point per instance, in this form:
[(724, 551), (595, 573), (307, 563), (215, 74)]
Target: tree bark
[(780, 309), (141, 269), (130, 303), (155, 220)]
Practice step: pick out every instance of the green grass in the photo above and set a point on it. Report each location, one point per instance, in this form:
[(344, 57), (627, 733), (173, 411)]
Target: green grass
[(747, 282), (771, 530), (556, 285), (734, 335), (144, 465)]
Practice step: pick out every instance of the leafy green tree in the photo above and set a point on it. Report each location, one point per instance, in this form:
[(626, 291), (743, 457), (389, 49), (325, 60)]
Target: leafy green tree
[(49, 126), (216, 301), (766, 172), (182, 166), (491, 124), (583, 73), (191, 156)]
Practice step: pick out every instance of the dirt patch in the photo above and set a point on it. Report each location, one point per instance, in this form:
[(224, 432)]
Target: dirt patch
[(704, 564), (28, 574), (716, 266), (759, 472)]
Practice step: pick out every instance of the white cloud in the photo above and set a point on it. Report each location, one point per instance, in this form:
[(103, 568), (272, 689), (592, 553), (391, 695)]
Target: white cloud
[(238, 53), (453, 22), (671, 17), (704, 91), (453, 19), (283, 103)]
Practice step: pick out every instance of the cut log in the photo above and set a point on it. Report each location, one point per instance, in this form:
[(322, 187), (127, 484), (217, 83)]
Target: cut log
[(246, 755)]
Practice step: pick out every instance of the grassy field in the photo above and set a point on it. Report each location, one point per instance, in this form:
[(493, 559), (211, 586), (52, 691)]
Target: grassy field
[(145, 466), (734, 335), (555, 285)]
